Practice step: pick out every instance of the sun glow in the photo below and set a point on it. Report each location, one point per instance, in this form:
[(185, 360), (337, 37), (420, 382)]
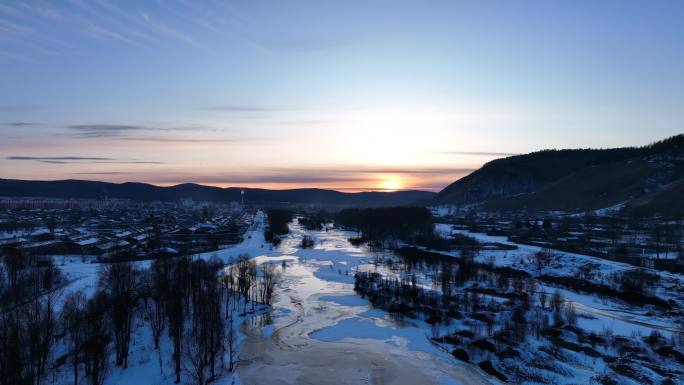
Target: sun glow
[(392, 183)]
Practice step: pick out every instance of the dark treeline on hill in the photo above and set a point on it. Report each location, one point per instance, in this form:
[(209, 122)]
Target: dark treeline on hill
[(577, 180), (143, 192), (278, 220), (314, 220), (378, 224), (413, 225)]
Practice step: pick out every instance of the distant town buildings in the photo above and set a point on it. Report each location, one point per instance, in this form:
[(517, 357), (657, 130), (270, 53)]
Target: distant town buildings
[(108, 228), (56, 203)]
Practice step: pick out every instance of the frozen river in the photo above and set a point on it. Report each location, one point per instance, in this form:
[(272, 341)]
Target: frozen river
[(320, 332)]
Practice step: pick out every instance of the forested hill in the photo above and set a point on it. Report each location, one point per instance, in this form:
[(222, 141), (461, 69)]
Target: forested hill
[(148, 192), (577, 180)]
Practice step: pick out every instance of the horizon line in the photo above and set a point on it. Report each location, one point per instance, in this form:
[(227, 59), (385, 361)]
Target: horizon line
[(346, 190)]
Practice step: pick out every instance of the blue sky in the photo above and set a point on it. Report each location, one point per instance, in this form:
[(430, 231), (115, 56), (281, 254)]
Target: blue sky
[(349, 95)]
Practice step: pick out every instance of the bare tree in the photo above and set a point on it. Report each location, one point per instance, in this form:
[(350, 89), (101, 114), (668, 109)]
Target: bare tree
[(153, 284), (96, 339), (230, 339), (556, 301), (40, 318), (196, 359), (118, 280), (176, 310), (246, 273), (73, 321), (656, 235), (269, 278), (571, 314), (542, 258), (542, 299), (203, 339)]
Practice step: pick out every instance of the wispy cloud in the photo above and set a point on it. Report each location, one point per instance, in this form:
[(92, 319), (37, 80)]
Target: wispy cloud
[(39, 37), (169, 31), (96, 19), (145, 25), (107, 130), (100, 31), (20, 124), (79, 159), (151, 134), (127, 131), (100, 173), (180, 140), (65, 158), (101, 19), (122, 20), (13, 28)]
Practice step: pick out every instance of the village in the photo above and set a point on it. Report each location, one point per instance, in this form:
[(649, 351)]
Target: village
[(106, 229)]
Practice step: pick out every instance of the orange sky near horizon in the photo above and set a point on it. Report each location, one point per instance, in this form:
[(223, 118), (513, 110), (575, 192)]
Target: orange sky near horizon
[(388, 182)]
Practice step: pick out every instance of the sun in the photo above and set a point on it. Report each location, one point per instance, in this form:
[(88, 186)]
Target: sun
[(392, 184)]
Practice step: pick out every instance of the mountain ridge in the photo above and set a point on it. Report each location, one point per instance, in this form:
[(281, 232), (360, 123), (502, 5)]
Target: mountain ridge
[(573, 180), (137, 191)]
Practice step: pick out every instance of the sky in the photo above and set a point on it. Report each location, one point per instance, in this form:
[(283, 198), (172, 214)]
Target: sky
[(350, 95)]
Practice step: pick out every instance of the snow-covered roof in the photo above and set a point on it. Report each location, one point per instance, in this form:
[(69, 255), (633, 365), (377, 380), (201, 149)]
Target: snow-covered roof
[(88, 241), (40, 244)]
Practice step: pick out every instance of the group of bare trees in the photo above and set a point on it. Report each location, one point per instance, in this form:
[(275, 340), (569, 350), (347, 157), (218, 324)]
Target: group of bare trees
[(28, 318), (461, 287), (44, 329), (255, 284), (542, 258), (86, 335), (667, 238)]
